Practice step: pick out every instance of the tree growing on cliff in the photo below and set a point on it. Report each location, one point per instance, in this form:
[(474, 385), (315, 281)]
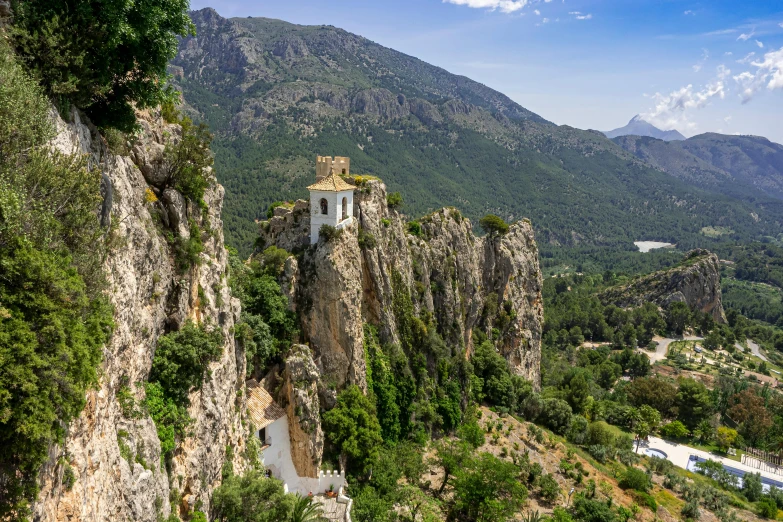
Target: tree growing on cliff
[(493, 225), (104, 57), (353, 427)]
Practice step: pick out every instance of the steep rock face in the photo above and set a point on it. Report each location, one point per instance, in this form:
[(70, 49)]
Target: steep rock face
[(462, 281), (301, 383), (695, 282), (113, 447)]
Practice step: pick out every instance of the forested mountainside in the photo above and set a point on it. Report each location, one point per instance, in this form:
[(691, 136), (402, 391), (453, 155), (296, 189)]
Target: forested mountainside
[(739, 166), (278, 94)]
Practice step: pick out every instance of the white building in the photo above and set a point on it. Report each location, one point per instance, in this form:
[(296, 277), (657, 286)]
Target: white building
[(271, 424), (331, 201)]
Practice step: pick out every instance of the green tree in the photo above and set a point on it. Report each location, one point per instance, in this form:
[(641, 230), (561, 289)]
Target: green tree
[(634, 478), (251, 497), (115, 60), (677, 317), (450, 456), (181, 359), (725, 437), (549, 488), (751, 486), (353, 427), (487, 489), (493, 225), (694, 402), (675, 430), (652, 391)]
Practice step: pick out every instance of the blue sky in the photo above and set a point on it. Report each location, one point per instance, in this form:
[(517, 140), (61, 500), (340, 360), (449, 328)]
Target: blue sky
[(697, 66)]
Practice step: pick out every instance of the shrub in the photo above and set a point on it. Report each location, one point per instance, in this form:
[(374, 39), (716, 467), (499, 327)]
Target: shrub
[(636, 479), (549, 488), (675, 430), (115, 61), (751, 486), (329, 233), (600, 433), (366, 240), (767, 508), (394, 200), (493, 225), (600, 452), (691, 510), (187, 159), (414, 228), (645, 499), (271, 210), (556, 415)]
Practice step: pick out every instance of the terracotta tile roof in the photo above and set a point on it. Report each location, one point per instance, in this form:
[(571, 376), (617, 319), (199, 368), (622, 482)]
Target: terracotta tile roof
[(331, 183), (262, 409)]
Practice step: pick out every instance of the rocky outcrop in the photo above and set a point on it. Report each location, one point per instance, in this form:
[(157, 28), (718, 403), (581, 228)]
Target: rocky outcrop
[(113, 447), (458, 283), (695, 282), (301, 384)]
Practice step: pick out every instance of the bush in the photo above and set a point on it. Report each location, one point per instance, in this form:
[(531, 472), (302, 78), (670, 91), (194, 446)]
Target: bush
[(645, 499), (54, 317), (329, 233), (556, 415), (767, 508), (493, 225), (414, 228), (751, 486), (115, 61), (394, 200), (187, 159), (549, 488), (675, 430), (636, 479), (600, 433), (601, 453), (366, 240)]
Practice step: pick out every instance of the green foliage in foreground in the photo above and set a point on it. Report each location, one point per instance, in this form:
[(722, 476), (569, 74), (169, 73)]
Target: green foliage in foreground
[(104, 57), (251, 498), (181, 359), (353, 427), (54, 319)]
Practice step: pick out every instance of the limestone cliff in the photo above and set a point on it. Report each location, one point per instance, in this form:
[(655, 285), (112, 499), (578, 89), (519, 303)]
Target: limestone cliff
[(461, 281), (695, 282), (113, 448)]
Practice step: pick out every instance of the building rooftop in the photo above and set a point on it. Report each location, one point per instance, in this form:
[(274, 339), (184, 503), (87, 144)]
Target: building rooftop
[(261, 407), (331, 183)]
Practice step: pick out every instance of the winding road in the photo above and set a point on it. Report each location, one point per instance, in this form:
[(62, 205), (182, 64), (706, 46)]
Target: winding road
[(663, 347)]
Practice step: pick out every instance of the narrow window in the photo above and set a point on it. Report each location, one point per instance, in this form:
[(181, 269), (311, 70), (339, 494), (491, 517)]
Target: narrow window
[(345, 208), (344, 172), (262, 435), (324, 207)]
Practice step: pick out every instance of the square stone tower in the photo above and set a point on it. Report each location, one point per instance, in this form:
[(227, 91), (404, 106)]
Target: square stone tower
[(331, 198), (325, 164)]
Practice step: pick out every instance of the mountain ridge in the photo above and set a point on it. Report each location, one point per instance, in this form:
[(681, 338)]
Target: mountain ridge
[(277, 95), (640, 127)]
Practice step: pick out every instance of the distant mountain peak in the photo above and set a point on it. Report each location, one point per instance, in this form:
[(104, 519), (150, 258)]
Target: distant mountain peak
[(638, 126)]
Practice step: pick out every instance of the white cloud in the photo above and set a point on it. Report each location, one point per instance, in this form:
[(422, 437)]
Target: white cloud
[(760, 44), (728, 53), (672, 111), (723, 72), (746, 36), (705, 54), (768, 73), (580, 16), (748, 58), (781, 24), (506, 6), (689, 12)]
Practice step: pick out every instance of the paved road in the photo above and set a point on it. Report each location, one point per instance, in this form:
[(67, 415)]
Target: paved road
[(679, 454), (754, 349), (663, 347)]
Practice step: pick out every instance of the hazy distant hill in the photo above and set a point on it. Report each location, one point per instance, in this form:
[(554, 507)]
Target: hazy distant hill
[(277, 94), (638, 127), (734, 165)]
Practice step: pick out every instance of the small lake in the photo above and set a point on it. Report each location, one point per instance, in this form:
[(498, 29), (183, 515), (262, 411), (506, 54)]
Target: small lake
[(646, 246)]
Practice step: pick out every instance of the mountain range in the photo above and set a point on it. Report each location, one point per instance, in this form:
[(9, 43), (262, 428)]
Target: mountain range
[(277, 94), (639, 127)]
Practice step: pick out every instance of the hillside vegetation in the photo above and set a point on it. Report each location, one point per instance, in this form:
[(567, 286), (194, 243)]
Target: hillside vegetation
[(278, 94)]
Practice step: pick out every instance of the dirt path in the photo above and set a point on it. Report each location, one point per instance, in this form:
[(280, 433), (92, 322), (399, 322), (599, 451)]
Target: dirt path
[(663, 347)]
